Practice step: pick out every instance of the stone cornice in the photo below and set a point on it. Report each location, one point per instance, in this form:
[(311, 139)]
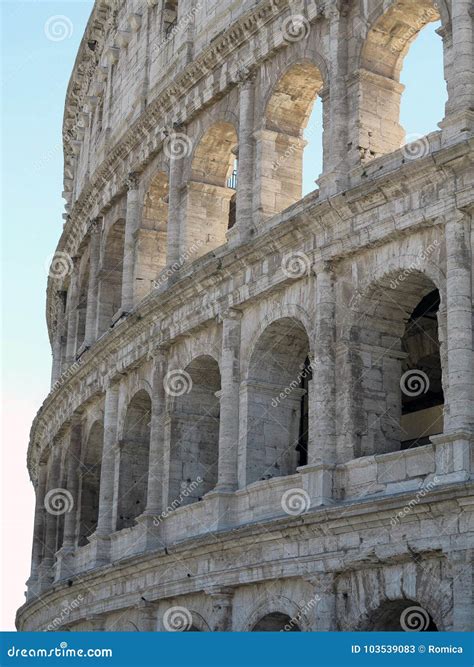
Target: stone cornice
[(353, 516)]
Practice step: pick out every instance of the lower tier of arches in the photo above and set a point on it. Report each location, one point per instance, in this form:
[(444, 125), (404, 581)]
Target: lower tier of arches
[(375, 565)]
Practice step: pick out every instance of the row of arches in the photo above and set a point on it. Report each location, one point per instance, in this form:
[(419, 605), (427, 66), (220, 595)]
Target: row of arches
[(276, 394), (398, 615), (284, 139)]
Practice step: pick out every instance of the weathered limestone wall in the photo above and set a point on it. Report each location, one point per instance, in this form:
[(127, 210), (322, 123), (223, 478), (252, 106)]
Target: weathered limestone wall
[(225, 427)]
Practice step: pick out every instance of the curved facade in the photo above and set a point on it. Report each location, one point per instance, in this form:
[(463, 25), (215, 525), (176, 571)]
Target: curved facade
[(262, 405)]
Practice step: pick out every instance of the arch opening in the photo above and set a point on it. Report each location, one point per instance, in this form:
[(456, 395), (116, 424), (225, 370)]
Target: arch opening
[(422, 398), (110, 277), (292, 131), (400, 616), (211, 190), (89, 483), (383, 85), (134, 459), (276, 395), (276, 622), (195, 434), (398, 370)]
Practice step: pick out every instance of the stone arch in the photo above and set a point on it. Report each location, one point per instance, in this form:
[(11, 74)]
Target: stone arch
[(422, 584), (392, 28), (285, 116), (136, 384), (288, 103), (134, 460), (275, 397), (278, 311), (89, 481), (194, 436), (152, 237), (210, 188), (199, 624), (279, 611), (384, 316), (110, 281), (399, 616), (276, 622)]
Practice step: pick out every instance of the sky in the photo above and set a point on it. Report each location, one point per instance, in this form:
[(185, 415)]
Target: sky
[(39, 45)]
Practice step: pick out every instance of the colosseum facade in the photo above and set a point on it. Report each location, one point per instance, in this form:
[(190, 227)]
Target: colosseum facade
[(262, 405)]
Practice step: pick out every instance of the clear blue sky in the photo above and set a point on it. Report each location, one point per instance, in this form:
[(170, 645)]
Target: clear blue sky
[(36, 71)]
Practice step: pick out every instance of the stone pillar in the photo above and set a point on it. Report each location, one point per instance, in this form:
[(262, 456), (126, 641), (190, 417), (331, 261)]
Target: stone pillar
[(73, 466), (72, 302), (334, 177), (93, 288), (157, 433), (462, 563), (132, 223), (174, 208), (318, 474), (39, 523), (51, 516), (453, 447), (460, 107), (229, 400), (58, 336), (221, 608), (278, 172), (147, 616), (64, 565), (459, 324), (325, 617), (243, 227), (100, 539)]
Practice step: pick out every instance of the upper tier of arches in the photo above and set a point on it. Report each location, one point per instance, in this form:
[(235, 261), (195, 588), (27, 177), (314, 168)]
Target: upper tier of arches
[(349, 59)]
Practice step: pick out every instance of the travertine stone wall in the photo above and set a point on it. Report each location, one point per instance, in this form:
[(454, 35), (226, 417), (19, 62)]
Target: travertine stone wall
[(226, 425)]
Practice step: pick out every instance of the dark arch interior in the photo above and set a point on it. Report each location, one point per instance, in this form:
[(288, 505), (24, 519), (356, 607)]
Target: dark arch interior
[(90, 483), (422, 413), (397, 615), (134, 455), (276, 622)]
